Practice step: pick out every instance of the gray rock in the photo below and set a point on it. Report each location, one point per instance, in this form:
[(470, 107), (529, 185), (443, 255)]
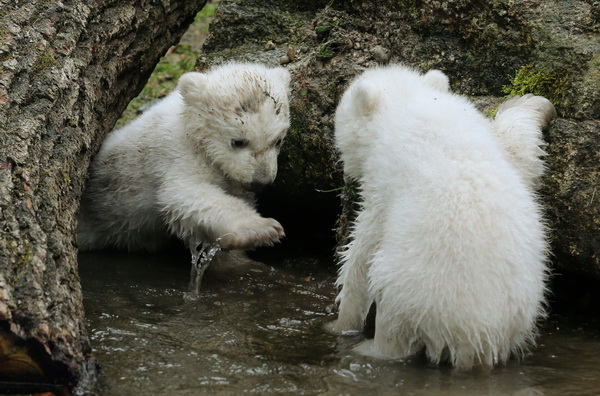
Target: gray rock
[(381, 54), (481, 49)]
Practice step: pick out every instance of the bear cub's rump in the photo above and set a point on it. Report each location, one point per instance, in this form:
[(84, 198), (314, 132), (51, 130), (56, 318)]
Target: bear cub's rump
[(449, 242), (189, 165)]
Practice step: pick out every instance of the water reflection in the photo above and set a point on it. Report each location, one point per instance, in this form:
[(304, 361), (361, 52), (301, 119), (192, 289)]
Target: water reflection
[(261, 332)]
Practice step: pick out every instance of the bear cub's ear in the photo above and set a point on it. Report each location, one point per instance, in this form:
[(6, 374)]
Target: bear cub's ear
[(282, 75), (192, 84), (365, 98), (436, 79)]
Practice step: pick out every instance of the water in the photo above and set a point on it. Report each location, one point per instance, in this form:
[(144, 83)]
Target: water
[(202, 255), (262, 333)]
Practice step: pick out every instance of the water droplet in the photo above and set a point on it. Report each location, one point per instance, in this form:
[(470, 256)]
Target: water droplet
[(202, 255)]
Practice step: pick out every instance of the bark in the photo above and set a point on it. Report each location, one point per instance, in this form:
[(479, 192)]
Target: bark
[(67, 70)]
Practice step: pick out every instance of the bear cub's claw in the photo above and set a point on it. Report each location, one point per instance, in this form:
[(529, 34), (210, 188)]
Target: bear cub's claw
[(264, 232)]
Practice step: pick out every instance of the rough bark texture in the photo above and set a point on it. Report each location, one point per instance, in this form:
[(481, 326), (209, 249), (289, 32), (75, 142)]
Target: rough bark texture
[(67, 70), (549, 48)]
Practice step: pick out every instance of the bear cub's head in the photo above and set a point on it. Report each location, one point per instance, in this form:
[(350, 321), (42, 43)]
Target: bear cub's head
[(236, 117)]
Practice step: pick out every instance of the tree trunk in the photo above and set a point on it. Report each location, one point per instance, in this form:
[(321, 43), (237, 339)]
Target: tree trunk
[(67, 70)]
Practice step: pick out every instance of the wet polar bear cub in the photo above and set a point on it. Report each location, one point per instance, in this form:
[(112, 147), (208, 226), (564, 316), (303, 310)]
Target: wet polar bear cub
[(187, 166), (449, 242)]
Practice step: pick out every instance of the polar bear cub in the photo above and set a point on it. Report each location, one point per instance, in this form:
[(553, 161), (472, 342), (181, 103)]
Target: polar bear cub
[(449, 243), (188, 166)]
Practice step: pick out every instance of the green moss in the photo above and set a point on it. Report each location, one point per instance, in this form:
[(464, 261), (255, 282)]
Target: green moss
[(411, 7), (24, 256), (44, 61), (528, 79), (67, 178), (208, 11), (492, 112)]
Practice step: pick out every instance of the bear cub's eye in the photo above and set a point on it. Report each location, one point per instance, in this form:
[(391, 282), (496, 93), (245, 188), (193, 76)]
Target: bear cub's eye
[(239, 143)]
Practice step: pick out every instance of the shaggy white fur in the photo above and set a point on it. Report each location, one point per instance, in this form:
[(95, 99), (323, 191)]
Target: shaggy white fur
[(518, 124), (187, 166), (449, 243)]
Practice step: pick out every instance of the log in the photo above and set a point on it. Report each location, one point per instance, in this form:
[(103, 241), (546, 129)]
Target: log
[(67, 71)]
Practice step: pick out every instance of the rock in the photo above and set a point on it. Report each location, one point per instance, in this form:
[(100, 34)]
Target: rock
[(482, 50), (291, 54), (381, 54), (571, 194)]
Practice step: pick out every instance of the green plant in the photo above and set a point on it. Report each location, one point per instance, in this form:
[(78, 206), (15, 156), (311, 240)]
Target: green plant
[(177, 62), (349, 189), (324, 52), (529, 79), (326, 26)]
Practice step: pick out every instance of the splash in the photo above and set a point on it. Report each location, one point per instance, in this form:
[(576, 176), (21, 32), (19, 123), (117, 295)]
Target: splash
[(202, 255)]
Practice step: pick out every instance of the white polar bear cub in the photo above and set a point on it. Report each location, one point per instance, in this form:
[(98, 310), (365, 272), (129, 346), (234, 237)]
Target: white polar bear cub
[(187, 166), (449, 243)]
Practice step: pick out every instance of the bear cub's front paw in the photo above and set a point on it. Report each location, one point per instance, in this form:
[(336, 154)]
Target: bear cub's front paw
[(259, 232)]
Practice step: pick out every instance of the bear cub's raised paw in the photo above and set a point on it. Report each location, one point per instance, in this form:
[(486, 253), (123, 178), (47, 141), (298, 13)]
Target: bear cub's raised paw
[(256, 233)]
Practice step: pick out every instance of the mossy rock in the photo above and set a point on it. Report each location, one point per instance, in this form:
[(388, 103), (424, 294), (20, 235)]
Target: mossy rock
[(546, 48)]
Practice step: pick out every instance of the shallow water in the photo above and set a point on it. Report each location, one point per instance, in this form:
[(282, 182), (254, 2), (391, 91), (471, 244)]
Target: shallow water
[(262, 332)]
